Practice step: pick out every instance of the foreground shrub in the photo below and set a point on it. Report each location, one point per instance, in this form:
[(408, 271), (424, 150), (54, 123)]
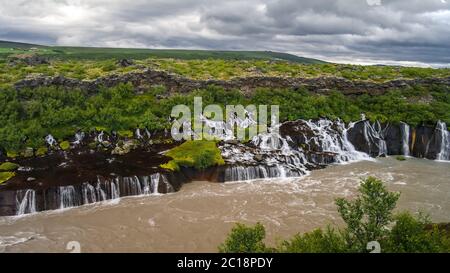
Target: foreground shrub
[(244, 239), (367, 217)]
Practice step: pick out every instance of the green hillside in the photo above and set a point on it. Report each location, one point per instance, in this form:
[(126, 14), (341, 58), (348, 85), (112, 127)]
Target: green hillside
[(97, 53)]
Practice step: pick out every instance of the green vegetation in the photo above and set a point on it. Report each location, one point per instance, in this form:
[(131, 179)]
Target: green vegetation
[(199, 154), (8, 166), (41, 151), (27, 116), (65, 145), (98, 53), (368, 218), (400, 158), (5, 176)]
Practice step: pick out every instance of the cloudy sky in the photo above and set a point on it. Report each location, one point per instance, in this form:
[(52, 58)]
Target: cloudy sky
[(415, 32)]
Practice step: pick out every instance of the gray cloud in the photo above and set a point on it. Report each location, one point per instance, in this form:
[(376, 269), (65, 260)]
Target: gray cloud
[(394, 32)]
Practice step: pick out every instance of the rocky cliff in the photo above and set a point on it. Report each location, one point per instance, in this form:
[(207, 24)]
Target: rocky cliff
[(143, 79)]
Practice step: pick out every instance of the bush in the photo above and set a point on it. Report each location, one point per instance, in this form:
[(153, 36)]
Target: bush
[(244, 239), (367, 217), (317, 241), (410, 235)]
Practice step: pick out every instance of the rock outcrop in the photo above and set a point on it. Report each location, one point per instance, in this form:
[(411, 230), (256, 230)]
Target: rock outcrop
[(142, 79)]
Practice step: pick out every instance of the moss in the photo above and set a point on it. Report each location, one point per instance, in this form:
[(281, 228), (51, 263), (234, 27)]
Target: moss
[(41, 151), (400, 158), (5, 176), (171, 165), (12, 154), (8, 166), (101, 128), (199, 154), (125, 133), (65, 145)]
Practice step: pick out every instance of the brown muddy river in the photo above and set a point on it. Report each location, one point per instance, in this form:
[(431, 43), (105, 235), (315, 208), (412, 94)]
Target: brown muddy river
[(197, 218)]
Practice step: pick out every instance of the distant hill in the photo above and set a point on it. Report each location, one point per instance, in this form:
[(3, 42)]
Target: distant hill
[(60, 52)]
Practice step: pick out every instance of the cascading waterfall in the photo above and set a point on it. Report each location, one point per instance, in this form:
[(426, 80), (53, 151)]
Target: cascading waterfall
[(89, 194), (444, 153), (372, 132), (51, 140), (27, 204), (115, 192), (154, 178), (79, 138), (68, 197), (405, 129), (334, 140)]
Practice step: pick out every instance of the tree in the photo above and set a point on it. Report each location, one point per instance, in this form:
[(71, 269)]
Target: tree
[(367, 217)]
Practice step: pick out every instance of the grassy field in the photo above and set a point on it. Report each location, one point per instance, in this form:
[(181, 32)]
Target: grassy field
[(97, 53)]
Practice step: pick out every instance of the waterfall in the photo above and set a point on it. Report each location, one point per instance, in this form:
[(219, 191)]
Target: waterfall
[(115, 193), (100, 192), (79, 138), (333, 137), (51, 140), (27, 204), (68, 197), (444, 153), (405, 129), (145, 185), (133, 185), (154, 178), (243, 173), (89, 194)]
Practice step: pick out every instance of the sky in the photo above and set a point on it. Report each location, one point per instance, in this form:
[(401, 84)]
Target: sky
[(397, 32)]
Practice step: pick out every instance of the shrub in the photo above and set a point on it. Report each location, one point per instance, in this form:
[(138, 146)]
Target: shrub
[(317, 241), (410, 235), (244, 239), (369, 214)]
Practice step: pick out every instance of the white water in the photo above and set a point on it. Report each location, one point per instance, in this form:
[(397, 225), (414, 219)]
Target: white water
[(444, 153), (67, 197), (27, 204), (335, 141), (51, 140), (405, 129)]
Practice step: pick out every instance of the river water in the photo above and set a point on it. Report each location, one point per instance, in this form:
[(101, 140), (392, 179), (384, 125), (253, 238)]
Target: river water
[(199, 216)]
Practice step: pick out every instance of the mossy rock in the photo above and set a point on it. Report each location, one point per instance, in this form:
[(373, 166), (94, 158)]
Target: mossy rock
[(41, 151), (199, 154), (65, 145), (12, 154), (28, 152), (400, 158), (171, 166), (5, 176), (8, 166), (125, 133)]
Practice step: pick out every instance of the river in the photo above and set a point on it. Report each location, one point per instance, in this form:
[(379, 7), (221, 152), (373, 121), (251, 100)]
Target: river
[(199, 216)]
